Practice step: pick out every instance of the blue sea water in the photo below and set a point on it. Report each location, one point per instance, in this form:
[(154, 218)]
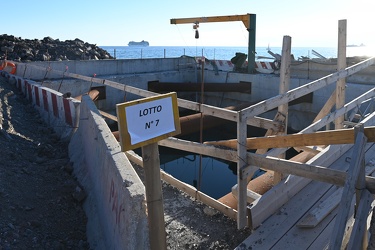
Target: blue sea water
[(224, 53), (212, 53)]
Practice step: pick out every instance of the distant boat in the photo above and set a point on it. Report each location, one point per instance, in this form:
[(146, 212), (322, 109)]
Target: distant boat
[(355, 45), (141, 43)]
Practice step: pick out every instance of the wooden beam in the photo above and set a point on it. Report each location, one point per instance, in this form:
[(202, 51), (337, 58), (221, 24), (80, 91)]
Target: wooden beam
[(196, 20), (251, 195), (108, 115), (330, 137), (197, 148), (329, 118), (327, 107), (317, 214)]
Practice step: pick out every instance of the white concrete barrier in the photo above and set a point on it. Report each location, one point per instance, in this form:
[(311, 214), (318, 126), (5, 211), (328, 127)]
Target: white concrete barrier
[(116, 194), (59, 112)]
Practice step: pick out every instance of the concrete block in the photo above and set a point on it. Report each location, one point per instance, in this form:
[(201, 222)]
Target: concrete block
[(116, 200)]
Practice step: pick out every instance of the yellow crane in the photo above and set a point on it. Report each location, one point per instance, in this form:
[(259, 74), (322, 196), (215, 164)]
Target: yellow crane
[(249, 20)]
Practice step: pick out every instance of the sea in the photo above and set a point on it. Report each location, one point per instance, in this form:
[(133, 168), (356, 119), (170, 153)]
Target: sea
[(226, 53), (214, 177)]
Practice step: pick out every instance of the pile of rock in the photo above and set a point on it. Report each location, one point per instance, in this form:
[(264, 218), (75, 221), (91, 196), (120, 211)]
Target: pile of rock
[(48, 49)]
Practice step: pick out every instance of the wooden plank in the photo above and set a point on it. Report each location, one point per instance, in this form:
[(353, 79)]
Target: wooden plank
[(274, 228), (327, 107), (327, 119), (317, 214), (195, 147), (285, 191), (329, 137), (305, 238), (278, 231), (341, 65), (356, 160), (360, 224), (250, 195), (312, 149), (107, 115), (301, 238), (278, 118), (318, 237)]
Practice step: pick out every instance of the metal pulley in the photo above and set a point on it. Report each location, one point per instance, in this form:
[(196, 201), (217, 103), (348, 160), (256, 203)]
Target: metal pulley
[(196, 26)]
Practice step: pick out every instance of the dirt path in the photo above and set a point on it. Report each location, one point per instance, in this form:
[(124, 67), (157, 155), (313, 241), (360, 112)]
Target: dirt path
[(37, 205)]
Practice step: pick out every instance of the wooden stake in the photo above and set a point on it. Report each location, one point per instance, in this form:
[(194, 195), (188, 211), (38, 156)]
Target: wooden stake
[(154, 196), (284, 87), (341, 65)]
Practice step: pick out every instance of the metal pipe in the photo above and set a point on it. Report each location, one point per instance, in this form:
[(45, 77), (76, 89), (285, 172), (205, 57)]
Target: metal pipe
[(242, 87)]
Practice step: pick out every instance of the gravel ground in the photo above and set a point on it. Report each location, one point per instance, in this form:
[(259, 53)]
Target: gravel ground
[(41, 201), (39, 207)]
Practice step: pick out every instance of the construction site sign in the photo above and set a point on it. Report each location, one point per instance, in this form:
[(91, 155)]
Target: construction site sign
[(148, 120)]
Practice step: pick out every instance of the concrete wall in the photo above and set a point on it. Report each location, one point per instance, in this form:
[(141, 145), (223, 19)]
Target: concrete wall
[(133, 72), (101, 68), (116, 202), (138, 72)]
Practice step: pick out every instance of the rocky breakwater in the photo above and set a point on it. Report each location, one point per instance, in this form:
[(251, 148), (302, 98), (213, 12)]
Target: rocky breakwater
[(48, 49)]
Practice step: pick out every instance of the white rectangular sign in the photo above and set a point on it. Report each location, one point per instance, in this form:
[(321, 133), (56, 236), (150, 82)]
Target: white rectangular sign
[(150, 119)]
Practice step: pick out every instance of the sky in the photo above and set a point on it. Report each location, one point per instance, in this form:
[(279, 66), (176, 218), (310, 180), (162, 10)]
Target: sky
[(116, 22)]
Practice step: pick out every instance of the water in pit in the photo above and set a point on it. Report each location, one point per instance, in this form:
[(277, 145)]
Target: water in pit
[(217, 176)]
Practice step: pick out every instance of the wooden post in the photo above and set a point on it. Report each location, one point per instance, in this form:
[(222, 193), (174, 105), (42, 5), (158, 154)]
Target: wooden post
[(341, 65), (251, 47), (241, 163), (349, 187), (154, 196), (284, 87)]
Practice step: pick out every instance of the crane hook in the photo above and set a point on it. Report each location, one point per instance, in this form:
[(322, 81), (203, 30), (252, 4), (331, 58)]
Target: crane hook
[(196, 26)]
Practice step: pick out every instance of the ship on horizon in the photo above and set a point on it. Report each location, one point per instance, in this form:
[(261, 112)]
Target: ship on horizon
[(142, 43)]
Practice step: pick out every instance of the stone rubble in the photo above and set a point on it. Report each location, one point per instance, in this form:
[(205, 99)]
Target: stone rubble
[(48, 49)]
